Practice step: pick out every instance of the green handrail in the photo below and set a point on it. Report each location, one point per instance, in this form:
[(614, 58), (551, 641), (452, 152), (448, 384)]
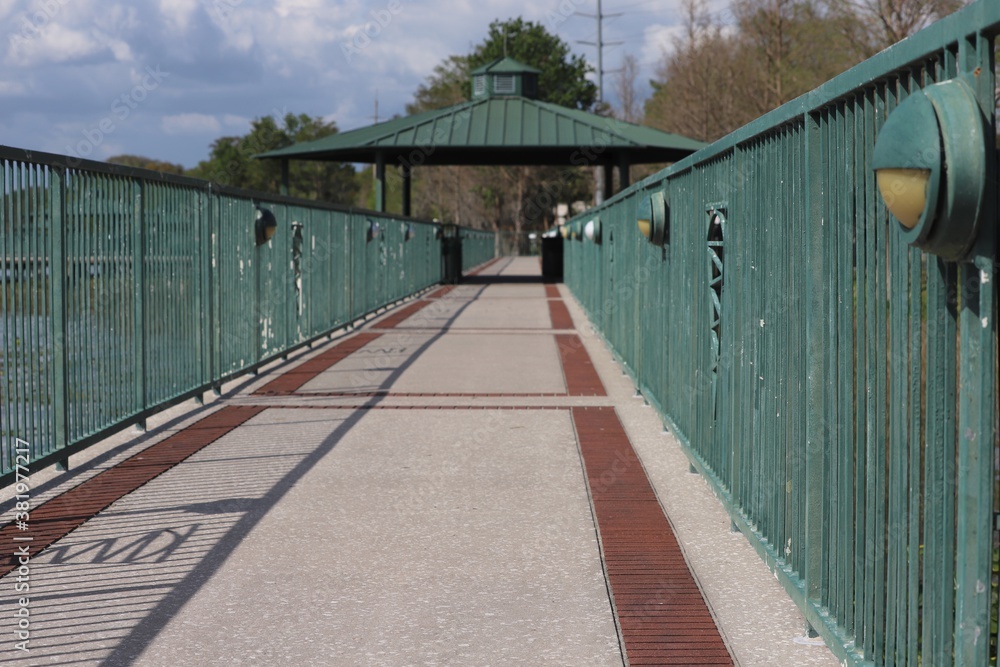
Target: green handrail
[(835, 385), (125, 291)]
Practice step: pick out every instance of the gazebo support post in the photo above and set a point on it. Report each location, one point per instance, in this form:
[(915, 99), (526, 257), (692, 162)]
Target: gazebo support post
[(609, 180), (624, 179), (407, 184), (284, 177), (380, 182)]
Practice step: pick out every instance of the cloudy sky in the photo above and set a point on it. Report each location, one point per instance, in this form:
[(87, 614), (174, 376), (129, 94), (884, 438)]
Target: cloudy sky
[(164, 78)]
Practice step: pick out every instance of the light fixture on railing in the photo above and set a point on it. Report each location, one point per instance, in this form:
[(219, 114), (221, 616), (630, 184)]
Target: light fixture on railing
[(410, 232), (373, 229), (564, 231), (652, 218), (930, 164), (265, 226), (592, 230)]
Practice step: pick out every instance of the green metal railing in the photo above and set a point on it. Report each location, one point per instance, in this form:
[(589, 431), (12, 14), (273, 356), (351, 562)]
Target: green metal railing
[(836, 386), (477, 247), (124, 291)]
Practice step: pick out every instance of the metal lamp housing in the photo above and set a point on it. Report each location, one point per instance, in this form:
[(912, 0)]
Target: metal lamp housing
[(592, 230), (410, 232), (265, 226), (373, 229), (936, 133), (651, 218)]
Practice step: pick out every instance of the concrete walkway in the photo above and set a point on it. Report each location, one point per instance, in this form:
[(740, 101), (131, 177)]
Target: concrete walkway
[(427, 491)]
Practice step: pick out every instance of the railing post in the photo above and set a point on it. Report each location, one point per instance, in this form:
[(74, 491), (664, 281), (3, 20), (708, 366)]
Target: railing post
[(138, 294), (816, 316), (976, 404), (57, 283), (205, 286)]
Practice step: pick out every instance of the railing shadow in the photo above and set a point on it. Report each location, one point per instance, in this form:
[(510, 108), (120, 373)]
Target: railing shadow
[(151, 553)]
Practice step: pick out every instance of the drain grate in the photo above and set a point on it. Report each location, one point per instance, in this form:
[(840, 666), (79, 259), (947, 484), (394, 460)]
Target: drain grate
[(293, 380), (581, 376), (663, 617)]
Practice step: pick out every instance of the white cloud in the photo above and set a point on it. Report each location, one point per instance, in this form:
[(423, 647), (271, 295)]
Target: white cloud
[(232, 120), (178, 13), (6, 7), (190, 123), (53, 43), (12, 88), (229, 61)]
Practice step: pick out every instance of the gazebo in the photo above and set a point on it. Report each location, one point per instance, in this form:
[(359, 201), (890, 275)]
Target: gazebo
[(503, 124)]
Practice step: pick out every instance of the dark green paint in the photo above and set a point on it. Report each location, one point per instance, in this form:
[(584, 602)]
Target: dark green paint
[(849, 426)]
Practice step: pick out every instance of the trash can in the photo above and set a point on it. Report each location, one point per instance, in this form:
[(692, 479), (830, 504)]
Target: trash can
[(451, 255), (552, 258)]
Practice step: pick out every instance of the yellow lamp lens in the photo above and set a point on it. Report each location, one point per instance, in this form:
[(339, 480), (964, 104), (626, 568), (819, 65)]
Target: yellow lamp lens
[(905, 193), (645, 227)]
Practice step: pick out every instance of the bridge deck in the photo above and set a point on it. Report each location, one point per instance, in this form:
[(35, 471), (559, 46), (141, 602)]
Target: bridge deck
[(468, 480)]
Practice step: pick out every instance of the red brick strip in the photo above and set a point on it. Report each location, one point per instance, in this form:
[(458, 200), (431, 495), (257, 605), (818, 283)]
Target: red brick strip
[(55, 518), (401, 314), (483, 267), (552, 292), (578, 369), (377, 406), (662, 614), (292, 380), (560, 315), (384, 393), (440, 292)]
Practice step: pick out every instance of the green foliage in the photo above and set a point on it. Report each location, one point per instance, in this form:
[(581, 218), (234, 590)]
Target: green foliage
[(448, 85), (232, 161), (147, 163), (562, 80)]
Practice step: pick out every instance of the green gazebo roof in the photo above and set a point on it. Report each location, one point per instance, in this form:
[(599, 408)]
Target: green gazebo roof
[(505, 65), (498, 131)]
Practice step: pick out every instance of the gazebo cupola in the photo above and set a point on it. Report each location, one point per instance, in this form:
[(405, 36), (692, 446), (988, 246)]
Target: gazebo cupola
[(505, 77)]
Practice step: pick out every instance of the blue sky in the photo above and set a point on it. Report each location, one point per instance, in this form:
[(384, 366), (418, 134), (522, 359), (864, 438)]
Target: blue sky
[(164, 78)]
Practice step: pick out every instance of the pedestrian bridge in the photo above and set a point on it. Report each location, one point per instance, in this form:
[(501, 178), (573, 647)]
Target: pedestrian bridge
[(756, 424), (468, 478)]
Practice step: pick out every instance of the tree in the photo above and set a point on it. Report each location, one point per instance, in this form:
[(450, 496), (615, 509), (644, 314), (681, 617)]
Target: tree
[(878, 24), (629, 108), (147, 163), (503, 198), (716, 80), (232, 161), (697, 87), (563, 79), (448, 85)]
